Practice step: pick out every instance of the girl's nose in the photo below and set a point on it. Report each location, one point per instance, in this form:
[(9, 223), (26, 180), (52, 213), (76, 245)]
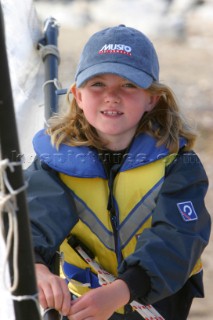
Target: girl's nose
[(112, 96)]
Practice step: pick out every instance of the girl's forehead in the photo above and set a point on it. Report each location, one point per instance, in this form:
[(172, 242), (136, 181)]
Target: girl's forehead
[(109, 76)]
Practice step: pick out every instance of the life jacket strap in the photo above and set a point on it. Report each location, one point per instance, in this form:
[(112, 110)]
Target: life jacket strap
[(85, 277)]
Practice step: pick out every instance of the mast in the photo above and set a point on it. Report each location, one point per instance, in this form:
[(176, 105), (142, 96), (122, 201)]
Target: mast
[(26, 289)]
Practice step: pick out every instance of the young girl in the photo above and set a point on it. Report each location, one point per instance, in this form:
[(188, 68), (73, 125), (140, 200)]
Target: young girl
[(117, 175)]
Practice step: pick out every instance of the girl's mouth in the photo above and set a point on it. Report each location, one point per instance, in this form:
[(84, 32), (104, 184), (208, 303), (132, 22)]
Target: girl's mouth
[(111, 113)]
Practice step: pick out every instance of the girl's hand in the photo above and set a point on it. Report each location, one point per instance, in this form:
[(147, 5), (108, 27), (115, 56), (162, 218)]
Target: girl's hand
[(100, 303), (53, 291)]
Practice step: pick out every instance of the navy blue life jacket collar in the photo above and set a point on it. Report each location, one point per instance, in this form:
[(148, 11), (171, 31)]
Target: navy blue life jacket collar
[(85, 162)]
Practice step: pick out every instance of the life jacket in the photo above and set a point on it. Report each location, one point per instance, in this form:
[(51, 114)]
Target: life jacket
[(112, 212)]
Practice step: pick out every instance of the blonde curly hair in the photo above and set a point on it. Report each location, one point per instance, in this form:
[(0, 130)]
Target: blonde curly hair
[(165, 122)]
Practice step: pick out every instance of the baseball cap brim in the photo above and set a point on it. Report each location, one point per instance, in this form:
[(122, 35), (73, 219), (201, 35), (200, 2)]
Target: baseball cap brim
[(138, 77)]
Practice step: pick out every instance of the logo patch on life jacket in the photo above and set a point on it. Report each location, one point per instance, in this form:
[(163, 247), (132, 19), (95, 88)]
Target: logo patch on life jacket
[(187, 211)]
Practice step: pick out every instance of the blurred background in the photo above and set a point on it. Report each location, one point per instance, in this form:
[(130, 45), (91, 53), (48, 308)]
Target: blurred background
[(182, 32)]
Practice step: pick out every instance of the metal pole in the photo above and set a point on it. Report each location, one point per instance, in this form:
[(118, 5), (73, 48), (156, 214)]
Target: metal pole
[(51, 314), (25, 309), (50, 54)]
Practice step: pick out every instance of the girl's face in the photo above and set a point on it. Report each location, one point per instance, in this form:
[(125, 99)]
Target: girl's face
[(114, 107)]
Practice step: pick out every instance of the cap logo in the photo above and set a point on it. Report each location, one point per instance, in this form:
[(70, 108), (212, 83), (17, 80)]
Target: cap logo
[(116, 48)]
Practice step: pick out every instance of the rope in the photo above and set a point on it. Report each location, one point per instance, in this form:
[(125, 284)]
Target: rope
[(58, 87), (49, 49), (54, 81), (33, 297), (147, 312), (8, 205)]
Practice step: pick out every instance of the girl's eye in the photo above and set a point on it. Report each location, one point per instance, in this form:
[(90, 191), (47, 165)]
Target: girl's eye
[(97, 84), (130, 85)]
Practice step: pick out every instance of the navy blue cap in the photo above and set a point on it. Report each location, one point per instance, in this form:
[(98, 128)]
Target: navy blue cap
[(119, 50)]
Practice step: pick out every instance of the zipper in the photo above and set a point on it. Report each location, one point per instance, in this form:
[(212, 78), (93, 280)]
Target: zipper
[(115, 227), (113, 213)]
